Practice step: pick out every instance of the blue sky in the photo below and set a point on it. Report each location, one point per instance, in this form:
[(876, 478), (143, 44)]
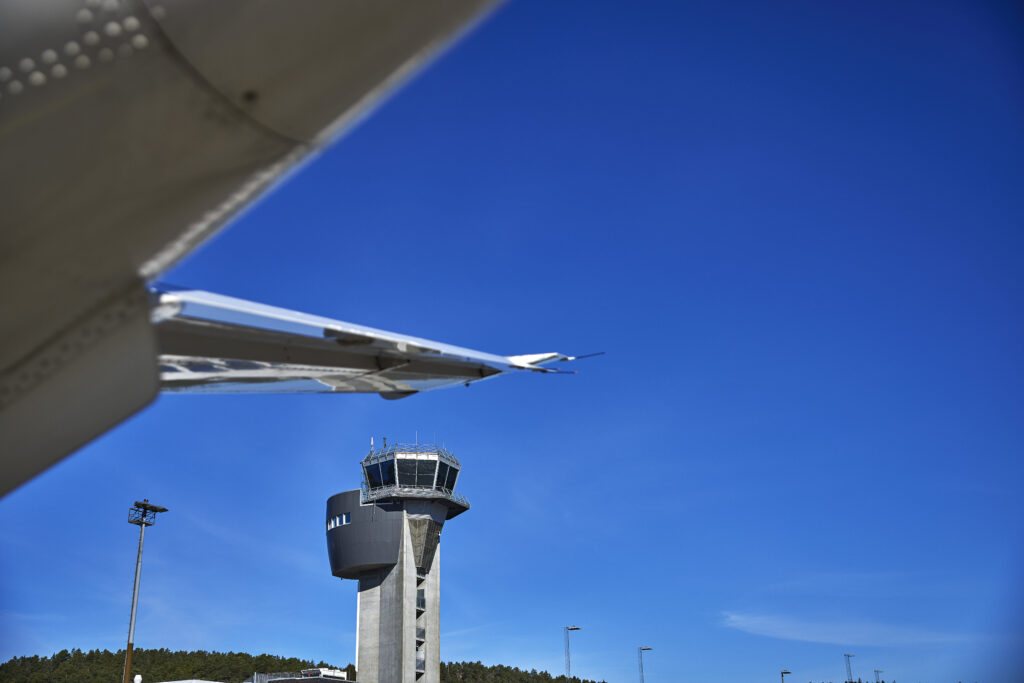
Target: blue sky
[(795, 228)]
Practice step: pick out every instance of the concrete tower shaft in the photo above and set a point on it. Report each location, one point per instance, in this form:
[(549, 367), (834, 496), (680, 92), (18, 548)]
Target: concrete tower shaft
[(386, 536)]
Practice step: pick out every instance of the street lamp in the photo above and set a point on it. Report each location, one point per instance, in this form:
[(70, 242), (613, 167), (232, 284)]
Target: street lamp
[(142, 514), (849, 672), (568, 664), (877, 671), (640, 657), (784, 672)]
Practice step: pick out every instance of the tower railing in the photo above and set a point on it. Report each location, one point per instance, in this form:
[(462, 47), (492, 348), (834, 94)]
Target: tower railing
[(414, 448), (395, 491)]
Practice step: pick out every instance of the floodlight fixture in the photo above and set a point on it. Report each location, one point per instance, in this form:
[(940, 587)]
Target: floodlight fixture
[(568, 664), (142, 514)]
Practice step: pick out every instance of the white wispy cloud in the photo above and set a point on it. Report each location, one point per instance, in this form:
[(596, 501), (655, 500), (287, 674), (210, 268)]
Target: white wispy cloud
[(292, 556), (12, 616), (875, 584), (470, 629), (844, 632)]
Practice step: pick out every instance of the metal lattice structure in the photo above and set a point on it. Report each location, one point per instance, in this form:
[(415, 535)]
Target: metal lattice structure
[(640, 659), (568, 661), (143, 513)]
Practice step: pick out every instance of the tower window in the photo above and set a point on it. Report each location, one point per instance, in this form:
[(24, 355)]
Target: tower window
[(339, 520), (406, 472), (425, 470)]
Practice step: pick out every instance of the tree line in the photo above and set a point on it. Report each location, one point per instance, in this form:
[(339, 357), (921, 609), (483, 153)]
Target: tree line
[(104, 666), (476, 672)]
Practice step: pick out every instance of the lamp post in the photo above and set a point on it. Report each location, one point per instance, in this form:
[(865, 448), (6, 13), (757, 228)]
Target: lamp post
[(568, 664), (141, 514), (877, 671), (849, 672), (640, 658), (784, 672)]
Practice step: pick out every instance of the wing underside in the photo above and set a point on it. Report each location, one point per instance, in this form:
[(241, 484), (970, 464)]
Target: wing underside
[(215, 344), (153, 125)]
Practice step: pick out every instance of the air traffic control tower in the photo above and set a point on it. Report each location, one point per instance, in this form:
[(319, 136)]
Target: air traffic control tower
[(385, 535)]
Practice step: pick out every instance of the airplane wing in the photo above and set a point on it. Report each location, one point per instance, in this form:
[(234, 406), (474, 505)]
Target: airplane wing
[(209, 343), (130, 132)]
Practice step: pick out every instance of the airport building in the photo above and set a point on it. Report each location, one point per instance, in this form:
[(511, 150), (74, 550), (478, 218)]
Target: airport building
[(386, 536)]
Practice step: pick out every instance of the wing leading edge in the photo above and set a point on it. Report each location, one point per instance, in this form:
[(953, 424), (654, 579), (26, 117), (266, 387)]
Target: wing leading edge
[(217, 344)]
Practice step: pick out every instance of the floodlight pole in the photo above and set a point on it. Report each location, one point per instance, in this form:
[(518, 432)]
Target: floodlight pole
[(783, 674), (877, 671), (142, 514), (568, 663), (849, 672), (135, 603), (640, 659)]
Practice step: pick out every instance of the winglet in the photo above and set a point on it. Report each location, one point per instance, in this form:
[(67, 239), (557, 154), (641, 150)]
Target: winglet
[(535, 361), (527, 359)]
